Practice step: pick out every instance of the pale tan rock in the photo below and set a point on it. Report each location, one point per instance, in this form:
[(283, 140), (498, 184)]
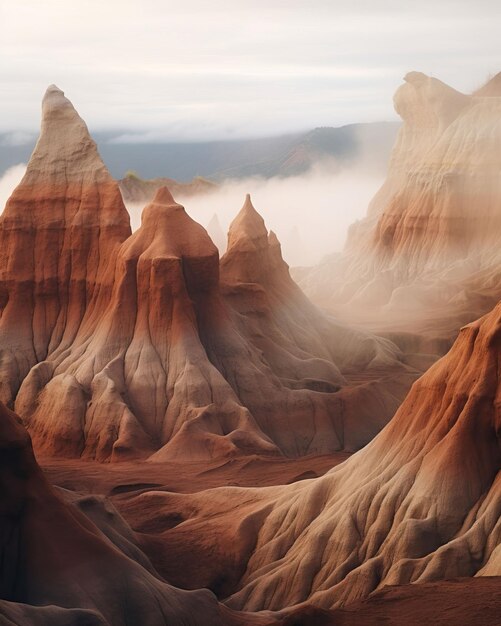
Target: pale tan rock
[(426, 257)]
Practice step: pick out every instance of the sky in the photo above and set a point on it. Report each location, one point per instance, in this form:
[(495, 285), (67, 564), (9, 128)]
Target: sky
[(194, 69)]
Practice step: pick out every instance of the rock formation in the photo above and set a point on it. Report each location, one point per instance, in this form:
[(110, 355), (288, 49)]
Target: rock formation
[(71, 559), (165, 363), (60, 566), (461, 602), (57, 233), (420, 503), (117, 345), (137, 373), (429, 246)]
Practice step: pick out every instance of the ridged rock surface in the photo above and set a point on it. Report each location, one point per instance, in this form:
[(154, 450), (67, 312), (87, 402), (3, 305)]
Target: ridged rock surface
[(72, 559), (61, 566), (58, 232), (429, 246), (123, 345), (420, 503)]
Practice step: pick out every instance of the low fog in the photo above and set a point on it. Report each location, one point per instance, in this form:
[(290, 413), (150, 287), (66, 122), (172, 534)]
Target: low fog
[(9, 181), (310, 213)]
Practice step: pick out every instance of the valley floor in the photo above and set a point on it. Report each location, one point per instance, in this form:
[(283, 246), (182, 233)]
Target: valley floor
[(462, 602), (118, 480)]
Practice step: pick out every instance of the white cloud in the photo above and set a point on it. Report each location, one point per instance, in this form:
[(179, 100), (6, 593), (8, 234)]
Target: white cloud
[(9, 181), (17, 138), (309, 213), (222, 68), (319, 206)]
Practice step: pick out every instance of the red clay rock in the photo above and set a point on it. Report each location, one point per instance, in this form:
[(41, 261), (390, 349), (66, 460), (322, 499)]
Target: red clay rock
[(58, 232), (132, 345), (420, 503), (58, 567)]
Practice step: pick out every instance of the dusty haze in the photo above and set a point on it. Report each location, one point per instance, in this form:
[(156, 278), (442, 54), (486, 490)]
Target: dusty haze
[(310, 213), (9, 181)]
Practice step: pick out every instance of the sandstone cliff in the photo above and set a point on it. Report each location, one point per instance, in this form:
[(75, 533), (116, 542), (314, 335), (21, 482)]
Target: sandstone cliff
[(426, 257)]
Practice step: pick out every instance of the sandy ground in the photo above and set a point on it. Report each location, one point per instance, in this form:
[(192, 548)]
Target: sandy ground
[(114, 479)]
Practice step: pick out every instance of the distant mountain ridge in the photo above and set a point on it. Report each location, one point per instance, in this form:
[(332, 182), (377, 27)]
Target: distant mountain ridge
[(135, 189), (285, 155)]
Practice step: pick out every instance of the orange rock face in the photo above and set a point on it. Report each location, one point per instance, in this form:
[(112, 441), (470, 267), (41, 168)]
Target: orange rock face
[(78, 563), (137, 373), (57, 234), (117, 345), (420, 503)]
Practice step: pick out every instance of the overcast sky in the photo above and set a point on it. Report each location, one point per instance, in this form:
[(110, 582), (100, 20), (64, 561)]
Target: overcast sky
[(196, 69)]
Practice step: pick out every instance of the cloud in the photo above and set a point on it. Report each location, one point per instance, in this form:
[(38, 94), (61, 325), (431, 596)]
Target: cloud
[(9, 181), (17, 138), (217, 69), (310, 213)]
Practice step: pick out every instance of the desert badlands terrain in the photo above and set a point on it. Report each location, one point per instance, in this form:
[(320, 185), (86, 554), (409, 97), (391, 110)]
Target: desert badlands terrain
[(193, 438)]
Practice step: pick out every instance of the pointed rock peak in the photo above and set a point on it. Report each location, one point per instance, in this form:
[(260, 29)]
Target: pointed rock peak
[(248, 224), (273, 239), (53, 91), (249, 211), (166, 225), (65, 152), (253, 255), (164, 196), (163, 208), (491, 89), (66, 175), (55, 105), (214, 221), (248, 202), (416, 77)]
